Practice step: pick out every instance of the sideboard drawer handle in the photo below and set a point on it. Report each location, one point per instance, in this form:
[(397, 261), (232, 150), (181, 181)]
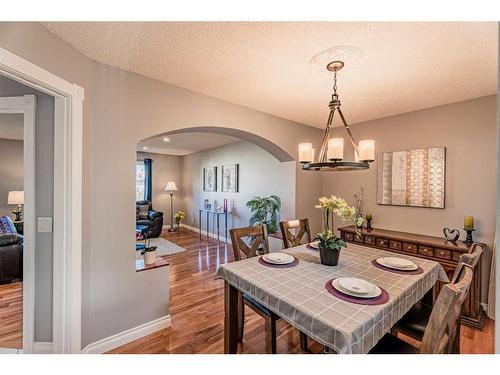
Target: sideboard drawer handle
[(409, 247), (441, 253)]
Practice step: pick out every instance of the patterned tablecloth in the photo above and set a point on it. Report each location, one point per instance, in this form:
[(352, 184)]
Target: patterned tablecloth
[(298, 294)]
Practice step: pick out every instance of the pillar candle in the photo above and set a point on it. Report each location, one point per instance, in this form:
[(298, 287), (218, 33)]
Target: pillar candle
[(305, 152), (469, 222), (366, 150), (335, 149)]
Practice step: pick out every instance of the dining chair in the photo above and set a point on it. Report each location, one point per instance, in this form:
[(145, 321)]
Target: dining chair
[(300, 227), (414, 323), (438, 334), (250, 241)]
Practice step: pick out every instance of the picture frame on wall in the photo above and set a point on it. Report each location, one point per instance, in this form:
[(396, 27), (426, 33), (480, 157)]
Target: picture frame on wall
[(230, 178), (210, 179)]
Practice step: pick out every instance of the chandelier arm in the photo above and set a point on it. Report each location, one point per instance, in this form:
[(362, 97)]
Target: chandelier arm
[(324, 143), (346, 126)]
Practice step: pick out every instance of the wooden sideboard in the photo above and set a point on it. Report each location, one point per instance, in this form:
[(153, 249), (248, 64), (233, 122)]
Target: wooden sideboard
[(429, 247)]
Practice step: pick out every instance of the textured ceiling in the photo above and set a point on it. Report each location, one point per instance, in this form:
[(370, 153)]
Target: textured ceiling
[(185, 143), (264, 65)]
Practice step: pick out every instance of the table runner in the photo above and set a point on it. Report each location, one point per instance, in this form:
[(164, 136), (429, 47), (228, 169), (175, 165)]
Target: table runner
[(298, 294)]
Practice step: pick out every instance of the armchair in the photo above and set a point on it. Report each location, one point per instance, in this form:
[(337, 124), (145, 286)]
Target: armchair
[(150, 218), (11, 252)]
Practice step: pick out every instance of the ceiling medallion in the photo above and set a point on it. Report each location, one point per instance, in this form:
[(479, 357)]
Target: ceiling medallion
[(331, 154)]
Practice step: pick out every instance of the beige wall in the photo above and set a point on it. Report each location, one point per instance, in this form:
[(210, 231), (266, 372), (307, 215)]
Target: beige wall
[(44, 192), (120, 109), (260, 174), (165, 168), (468, 131), (11, 171)]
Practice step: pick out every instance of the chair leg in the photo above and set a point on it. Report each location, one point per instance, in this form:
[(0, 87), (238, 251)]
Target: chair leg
[(455, 349), (270, 335), (303, 342), (241, 318)]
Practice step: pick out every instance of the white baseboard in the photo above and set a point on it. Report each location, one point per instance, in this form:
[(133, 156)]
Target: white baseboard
[(204, 233), (41, 347), (122, 338)]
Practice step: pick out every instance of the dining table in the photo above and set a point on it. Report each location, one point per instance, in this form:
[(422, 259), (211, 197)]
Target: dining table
[(299, 295)]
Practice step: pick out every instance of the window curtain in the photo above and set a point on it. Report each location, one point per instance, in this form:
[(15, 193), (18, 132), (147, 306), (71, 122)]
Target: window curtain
[(148, 179)]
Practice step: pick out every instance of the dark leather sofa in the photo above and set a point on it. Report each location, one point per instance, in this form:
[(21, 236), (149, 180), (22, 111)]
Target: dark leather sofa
[(154, 219), (11, 258)]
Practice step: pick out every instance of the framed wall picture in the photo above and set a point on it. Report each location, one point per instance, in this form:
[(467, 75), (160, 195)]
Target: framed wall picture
[(230, 178), (413, 178), (210, 179)]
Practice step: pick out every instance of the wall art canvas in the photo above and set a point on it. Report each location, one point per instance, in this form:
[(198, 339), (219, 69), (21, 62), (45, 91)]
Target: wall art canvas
[(412, 178), (230, 178), (210, 179)]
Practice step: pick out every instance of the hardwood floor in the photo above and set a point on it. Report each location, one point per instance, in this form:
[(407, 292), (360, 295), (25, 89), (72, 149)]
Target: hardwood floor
[(11, 315), (197, 309)]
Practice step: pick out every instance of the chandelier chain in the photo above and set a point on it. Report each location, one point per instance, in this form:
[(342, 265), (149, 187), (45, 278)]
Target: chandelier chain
[(335, 82)]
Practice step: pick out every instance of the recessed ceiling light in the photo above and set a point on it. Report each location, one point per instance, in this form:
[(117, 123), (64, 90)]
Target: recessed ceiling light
[(145, 148), (166, 139)]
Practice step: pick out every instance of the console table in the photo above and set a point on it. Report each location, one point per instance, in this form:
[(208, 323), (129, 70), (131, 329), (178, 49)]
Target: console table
[(213, 213), (438, 249)]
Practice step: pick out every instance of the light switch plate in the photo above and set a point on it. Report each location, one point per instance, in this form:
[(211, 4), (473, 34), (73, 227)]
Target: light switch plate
[(44, 225)]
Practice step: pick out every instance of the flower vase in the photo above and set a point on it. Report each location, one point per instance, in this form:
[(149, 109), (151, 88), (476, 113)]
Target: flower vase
[(329, 257)]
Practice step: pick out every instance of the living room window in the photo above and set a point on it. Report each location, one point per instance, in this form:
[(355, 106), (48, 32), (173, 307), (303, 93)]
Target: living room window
[(139, 180)]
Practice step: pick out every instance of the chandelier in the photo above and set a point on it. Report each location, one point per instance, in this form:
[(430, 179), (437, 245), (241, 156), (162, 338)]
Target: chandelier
[(331, 153)]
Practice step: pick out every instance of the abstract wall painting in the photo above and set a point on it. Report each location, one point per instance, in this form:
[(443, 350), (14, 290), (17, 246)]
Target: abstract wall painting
[(412, 178)]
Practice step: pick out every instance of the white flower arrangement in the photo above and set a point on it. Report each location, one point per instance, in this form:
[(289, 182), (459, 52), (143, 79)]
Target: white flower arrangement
[(336, 205)]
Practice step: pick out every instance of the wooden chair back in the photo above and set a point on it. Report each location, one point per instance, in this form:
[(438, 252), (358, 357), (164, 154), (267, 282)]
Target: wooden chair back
[(440, 330), (471, 258), (256, 236), (301, 227)]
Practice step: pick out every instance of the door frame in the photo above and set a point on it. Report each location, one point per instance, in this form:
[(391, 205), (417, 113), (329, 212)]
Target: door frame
[(26, 105), (67, 215)]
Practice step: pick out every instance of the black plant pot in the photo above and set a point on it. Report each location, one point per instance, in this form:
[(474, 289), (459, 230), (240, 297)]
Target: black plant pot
[(328, 256)]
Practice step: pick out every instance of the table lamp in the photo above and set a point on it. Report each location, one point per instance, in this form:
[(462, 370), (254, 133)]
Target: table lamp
[(171, 188), (16, 197)]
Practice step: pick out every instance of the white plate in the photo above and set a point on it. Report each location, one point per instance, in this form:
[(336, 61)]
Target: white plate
[(355, 285), (314, 244), (278, 258), (375, 293), (397, 263)]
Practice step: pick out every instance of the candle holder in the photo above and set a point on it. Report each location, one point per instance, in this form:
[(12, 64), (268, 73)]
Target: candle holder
[(369, 224), (468, 237)]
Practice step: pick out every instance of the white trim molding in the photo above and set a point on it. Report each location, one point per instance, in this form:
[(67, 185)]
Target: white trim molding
[(41, 347), (67, 195), (204, 233), (122, 338), (26, 105)]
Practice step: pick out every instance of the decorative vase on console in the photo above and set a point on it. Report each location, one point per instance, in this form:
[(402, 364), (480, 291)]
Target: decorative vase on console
[(329, 244)]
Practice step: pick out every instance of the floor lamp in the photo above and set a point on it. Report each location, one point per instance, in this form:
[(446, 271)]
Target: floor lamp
[(171, 188)]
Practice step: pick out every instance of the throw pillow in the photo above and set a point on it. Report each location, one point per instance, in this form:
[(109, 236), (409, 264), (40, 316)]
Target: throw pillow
[(143, 211), (7, 226)]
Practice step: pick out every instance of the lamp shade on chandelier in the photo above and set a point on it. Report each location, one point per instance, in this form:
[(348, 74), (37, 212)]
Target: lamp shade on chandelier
[(331, 154)]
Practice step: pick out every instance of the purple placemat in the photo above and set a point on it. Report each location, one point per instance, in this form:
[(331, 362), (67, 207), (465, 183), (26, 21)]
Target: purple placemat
[(289, 265), (311, 248), (418, 271), (380, 300)]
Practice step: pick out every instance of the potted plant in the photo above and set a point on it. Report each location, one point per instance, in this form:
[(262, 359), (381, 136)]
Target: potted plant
[(265, 210), (179, 216), (329, 244), (149, 253)]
